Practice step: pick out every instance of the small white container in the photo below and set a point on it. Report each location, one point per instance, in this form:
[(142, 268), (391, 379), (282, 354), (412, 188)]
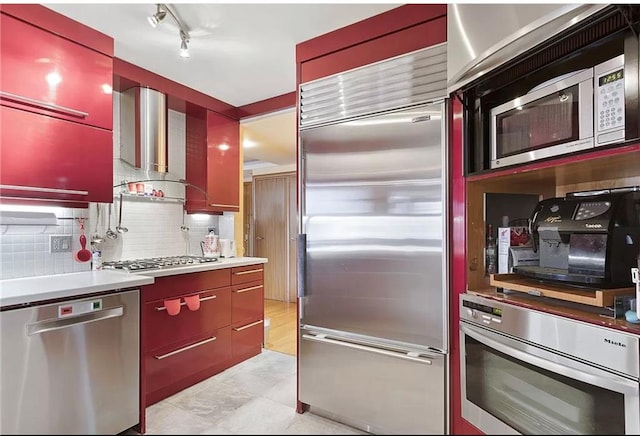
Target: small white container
[(96, 261)]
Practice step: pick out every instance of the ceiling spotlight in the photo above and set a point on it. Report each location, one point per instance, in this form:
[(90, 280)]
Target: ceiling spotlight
[(157, 17), (184, 49)]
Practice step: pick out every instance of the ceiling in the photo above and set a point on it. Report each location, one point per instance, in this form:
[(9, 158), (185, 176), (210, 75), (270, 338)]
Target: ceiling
[(239, 53)]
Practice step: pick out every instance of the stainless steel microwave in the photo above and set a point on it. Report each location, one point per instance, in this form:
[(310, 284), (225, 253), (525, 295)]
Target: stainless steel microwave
[(577, 111)]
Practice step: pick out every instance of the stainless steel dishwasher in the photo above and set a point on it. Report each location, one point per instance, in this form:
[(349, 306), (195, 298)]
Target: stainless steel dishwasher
[(71, 367)]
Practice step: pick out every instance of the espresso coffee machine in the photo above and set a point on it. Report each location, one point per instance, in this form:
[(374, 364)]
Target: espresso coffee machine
[(588, 239)]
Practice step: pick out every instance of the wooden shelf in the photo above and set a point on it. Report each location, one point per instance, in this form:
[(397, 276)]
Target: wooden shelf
[(595, 297)]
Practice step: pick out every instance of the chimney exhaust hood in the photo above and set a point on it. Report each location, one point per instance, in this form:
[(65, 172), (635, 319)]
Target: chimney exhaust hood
[(143, 129)]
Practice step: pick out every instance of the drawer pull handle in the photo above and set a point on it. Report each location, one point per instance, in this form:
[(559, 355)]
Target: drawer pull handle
[(184, 303), (43, 104), (252, 288), (43, 189), (239, 329), (251, 271), (188, 347), (222, 205)]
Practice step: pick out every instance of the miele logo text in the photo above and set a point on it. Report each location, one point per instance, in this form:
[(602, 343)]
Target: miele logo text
[(619, 344), (553, 219), (593, 226)]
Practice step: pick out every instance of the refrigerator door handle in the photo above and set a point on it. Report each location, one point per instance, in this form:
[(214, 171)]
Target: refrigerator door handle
[(412, 356), (301, 259)]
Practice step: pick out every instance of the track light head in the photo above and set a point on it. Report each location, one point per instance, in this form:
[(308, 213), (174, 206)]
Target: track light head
[(157, 17), (184, 44)]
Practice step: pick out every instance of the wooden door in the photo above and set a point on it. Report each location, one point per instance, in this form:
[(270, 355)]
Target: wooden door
[(247, 211), (292, 194), (270, 232)]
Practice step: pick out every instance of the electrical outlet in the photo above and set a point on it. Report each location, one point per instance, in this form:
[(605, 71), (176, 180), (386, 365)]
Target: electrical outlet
[(59, 243)]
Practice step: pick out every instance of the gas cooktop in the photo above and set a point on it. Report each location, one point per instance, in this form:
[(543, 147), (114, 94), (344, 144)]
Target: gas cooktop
[(157, 263)]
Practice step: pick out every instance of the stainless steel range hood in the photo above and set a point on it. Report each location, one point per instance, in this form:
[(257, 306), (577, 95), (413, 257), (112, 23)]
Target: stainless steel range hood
[(143, 129)]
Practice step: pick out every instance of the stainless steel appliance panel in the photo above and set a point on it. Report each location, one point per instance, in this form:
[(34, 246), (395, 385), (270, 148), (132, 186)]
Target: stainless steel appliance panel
[(71, 374), (381, 391), (373, 215), (530, 372)]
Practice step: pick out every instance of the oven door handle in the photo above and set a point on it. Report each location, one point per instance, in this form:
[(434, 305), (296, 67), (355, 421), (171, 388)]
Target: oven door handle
[(580, 371)]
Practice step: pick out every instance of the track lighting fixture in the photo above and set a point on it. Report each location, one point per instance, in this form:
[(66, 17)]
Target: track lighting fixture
[(184, 47), (157, 18), (161, 13)]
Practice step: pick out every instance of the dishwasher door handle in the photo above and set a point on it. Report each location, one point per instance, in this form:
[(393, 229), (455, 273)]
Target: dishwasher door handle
[(61, 323)]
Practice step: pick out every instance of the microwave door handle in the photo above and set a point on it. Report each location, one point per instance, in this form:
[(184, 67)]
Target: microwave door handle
[(508, 346)]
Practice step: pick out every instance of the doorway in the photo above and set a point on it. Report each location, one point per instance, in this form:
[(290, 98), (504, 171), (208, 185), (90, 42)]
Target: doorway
[(273, 235)]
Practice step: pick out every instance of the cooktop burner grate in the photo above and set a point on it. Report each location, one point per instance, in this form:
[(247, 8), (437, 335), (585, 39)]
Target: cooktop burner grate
[(157, 262)]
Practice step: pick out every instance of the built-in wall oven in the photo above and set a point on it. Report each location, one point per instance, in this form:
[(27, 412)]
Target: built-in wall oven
[(530, 372)]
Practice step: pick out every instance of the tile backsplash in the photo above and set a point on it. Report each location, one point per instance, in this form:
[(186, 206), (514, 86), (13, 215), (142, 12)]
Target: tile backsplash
[(154, 225)]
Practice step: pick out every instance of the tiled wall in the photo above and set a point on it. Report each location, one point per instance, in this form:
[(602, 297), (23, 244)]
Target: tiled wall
[(153, 225), (24, 250)]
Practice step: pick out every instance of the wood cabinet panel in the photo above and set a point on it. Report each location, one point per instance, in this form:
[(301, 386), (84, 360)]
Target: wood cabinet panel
[(44, 73), (247, 303), (50, 158), (165, 329), (171, 369)]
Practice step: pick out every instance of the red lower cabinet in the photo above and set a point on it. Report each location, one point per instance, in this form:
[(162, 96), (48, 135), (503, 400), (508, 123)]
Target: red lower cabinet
[(196, 325), (171, 369), (213, 312), (247, 340)]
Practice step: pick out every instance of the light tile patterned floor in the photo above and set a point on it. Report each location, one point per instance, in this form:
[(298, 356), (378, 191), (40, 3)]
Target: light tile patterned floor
[(257, 396)]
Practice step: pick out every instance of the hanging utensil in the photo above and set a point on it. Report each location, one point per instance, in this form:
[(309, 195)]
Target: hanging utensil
[(96, 238), (183, 227), (110, 233), (82, 255), (119, 227)]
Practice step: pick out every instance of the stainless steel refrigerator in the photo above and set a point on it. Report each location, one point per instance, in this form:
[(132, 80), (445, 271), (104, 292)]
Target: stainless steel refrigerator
[(373, 294)]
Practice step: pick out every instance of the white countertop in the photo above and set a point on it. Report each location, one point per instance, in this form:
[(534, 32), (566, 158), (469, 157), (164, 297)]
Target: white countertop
[(221, 263), (32, 289), (40, 288)]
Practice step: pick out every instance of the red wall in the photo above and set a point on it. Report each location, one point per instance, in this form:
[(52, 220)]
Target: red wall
[(54, 22), (392, 33)]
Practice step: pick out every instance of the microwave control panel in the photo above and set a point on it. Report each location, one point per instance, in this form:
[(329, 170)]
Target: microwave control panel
[(609, 101)]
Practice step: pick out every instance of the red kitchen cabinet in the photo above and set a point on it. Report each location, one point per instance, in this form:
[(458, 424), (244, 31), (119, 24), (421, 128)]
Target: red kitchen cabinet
[(214, 313), (213, 162), (44, 73), (247, 311), (49, 158), (57, 116), (173, 368), (179, 350)]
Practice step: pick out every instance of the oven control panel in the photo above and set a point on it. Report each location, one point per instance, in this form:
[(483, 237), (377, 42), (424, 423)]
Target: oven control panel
[(481, 312)]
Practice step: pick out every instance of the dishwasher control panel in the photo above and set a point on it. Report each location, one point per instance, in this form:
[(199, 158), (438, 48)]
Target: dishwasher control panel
[(78, 308)]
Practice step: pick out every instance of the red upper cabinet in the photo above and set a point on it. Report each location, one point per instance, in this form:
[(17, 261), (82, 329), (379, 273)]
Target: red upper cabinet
[(213, 162), (50, 75), (56, 109)]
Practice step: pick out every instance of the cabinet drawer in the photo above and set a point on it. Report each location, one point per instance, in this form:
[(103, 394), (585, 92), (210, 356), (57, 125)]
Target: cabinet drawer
[(246, 274), (163, 329), (45, 157), (170, 369), (247, 340), (181, 284), (247, 303), (50, 75)]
